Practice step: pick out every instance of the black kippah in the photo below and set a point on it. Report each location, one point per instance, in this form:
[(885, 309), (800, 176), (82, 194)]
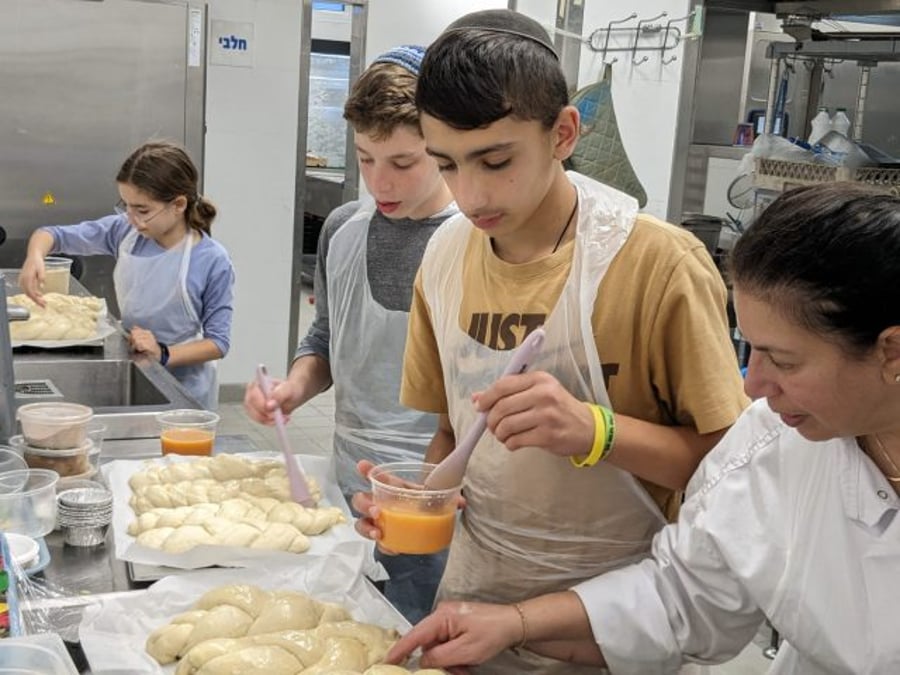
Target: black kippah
[(504, 21)]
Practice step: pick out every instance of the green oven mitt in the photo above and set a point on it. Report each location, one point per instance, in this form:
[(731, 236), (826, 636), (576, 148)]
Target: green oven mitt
[(599, 153)]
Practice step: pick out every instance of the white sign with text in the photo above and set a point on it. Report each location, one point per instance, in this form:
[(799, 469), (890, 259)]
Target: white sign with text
[(231, 44)]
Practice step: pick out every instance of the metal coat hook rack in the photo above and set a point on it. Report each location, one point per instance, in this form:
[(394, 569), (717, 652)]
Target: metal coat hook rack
[(637, 36), (688, 18), (652, 27)]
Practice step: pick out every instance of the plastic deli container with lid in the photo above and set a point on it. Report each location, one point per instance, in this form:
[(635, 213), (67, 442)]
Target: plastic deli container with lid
[(81, 461), (54, 425)]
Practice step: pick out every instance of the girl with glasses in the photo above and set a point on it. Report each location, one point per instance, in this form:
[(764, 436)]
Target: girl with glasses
[(174, 283)]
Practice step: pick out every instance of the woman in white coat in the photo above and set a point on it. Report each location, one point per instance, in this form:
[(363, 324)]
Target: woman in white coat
[(174, 283), (793, 516)]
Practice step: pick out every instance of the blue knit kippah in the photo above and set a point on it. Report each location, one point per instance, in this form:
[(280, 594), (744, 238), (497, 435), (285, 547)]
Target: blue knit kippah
[(407, 56)]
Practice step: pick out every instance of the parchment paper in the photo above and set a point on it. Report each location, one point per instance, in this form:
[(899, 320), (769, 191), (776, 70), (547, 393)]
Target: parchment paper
[(114, 631), (341, 538)]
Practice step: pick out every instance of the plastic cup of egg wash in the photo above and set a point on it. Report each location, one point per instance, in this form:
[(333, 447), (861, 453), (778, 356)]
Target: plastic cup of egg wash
[(187, 432), (412, 518)]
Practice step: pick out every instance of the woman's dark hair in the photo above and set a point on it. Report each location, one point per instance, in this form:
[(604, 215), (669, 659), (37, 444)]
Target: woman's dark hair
[(471, 78), (164, 171), (827, 256)]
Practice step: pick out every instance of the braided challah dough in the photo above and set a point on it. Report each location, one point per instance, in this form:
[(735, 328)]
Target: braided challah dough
[(218, 467), (237, 610), (223, 501), (221, 532), (65, 317), (207, 490), (243, 629), (247, 510)]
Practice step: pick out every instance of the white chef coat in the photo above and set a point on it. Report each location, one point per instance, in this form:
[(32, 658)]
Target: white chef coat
[(775, 526)]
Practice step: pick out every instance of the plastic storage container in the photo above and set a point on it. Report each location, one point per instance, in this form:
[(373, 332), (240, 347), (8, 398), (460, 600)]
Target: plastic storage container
[(24, 550), (43, 654), (55, 425), (80, 462), (11, 459), (57, 273), (28, 501)]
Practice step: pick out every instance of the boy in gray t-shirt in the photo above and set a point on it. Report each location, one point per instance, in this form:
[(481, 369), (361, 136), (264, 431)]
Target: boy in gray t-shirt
[(368, 255)]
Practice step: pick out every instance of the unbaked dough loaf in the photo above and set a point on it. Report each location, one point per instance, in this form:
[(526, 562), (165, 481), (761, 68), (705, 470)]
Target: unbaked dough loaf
[(221, 532), (65, 317), (246, 510), (241, 628), (239, 610), (220, 468), (207, 490), (224, 500)]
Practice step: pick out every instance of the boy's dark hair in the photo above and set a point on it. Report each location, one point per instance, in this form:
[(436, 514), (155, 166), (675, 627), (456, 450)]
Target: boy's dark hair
[(826, 255), (489, 65), (165, 171), (382, 99)]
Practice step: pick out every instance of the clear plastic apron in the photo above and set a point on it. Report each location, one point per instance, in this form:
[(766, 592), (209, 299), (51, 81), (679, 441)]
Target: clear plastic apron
[(533, 523), (366, 347), (152, 293)]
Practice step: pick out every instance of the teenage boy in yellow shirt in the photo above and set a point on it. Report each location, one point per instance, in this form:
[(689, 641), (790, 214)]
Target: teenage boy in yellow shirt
[(559, 490)]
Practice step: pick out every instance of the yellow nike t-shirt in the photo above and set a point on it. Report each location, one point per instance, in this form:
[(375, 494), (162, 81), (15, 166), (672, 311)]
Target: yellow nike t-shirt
[(659, 323)]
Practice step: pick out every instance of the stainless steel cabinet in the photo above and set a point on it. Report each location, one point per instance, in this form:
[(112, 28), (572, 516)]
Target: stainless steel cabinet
[(83, 83)]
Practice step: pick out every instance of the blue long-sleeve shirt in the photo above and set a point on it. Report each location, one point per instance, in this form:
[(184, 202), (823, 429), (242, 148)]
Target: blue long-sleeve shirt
[(210, 279)]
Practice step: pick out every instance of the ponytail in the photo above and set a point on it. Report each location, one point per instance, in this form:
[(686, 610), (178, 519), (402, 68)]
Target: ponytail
[(200, 214), (164, 171)]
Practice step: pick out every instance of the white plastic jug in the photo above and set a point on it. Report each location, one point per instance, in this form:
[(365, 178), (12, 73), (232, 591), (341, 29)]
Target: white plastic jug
[(821, 125), (840, 122)]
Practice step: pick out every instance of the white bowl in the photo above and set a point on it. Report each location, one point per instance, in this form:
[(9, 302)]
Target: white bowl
[(24, 550)]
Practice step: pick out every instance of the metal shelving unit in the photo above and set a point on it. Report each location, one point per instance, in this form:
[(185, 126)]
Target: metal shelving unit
[(868, 50)]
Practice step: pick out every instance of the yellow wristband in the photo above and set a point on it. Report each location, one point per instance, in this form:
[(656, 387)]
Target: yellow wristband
[(610, 419), (599, 445)]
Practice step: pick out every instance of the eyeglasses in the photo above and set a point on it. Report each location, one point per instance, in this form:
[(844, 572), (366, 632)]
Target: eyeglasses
[(123, 210)]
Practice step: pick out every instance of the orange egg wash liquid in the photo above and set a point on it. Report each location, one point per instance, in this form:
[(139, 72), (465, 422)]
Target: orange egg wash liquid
[(187, 442), (409, 531)]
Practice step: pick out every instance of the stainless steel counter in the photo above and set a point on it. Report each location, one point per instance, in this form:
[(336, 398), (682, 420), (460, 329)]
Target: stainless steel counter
[(77, 577), (126, 390)]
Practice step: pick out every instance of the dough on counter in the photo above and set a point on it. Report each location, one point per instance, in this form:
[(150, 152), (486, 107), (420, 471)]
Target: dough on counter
[(374, 639), (65, 317), (220, 532), (286, 609), (248, 509), (224, 500), (252, 660), (230, 612), (240, 628), (221, 468), (341, 653)]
